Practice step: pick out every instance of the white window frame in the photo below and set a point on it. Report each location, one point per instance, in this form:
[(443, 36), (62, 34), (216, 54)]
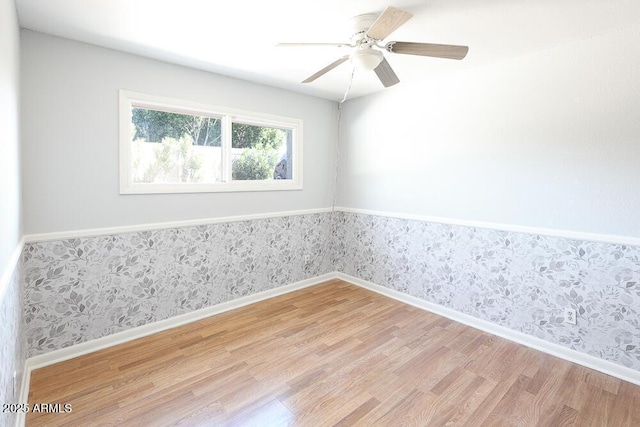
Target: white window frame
[(129, 99)]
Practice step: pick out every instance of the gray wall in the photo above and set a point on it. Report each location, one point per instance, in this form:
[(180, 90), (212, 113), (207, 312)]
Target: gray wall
[(70, 138), (547, 140), (10, 232)]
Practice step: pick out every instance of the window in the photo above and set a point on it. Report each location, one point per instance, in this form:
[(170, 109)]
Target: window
[(173, 146)]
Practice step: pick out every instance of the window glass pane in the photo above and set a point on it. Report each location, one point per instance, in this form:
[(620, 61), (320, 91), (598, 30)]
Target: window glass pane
[(175, 148), (260, 153)]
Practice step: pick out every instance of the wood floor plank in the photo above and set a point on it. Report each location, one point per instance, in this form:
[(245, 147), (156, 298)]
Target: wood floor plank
[(272, 413), (331, 354), (357, 414)]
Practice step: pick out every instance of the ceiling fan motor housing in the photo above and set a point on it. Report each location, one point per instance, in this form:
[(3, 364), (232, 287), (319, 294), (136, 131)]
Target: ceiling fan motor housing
[(359, 25)]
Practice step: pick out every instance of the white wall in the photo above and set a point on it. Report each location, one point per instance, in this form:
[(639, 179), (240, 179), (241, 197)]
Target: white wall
[(70, 137), (10, 229), (547, 140), (11, 350)]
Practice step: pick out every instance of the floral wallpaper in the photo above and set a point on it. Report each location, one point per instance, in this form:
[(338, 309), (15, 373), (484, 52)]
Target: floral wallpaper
[(12, 354), (520, 281), (81, 289)]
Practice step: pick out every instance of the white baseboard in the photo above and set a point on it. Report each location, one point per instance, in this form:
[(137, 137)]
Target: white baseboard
[(592, 362), (23, 396)]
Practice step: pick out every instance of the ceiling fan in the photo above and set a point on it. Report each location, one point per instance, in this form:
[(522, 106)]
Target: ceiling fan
[(366, 47)]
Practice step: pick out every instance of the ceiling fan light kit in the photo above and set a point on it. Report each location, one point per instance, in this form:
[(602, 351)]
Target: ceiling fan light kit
[(366, 59), (368, 32)]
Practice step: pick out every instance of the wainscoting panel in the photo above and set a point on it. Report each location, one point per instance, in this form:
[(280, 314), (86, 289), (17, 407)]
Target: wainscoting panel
[(81, 289), (77, 290), (520, 281), (12, 352)]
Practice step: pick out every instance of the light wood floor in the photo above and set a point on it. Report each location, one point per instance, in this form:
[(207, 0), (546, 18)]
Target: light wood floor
[(326, 355)]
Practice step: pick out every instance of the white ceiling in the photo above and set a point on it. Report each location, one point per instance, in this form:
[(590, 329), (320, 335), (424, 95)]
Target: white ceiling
[(238, 37)]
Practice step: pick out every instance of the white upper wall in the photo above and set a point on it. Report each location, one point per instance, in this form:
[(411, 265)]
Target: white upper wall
[(10, 229), (70, 138), (547, 140)]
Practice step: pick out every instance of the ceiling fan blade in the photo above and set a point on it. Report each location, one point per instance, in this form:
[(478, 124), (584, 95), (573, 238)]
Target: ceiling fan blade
[(313, 44), (326, 69), (388, 21), (385, 74), (447, 51)]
